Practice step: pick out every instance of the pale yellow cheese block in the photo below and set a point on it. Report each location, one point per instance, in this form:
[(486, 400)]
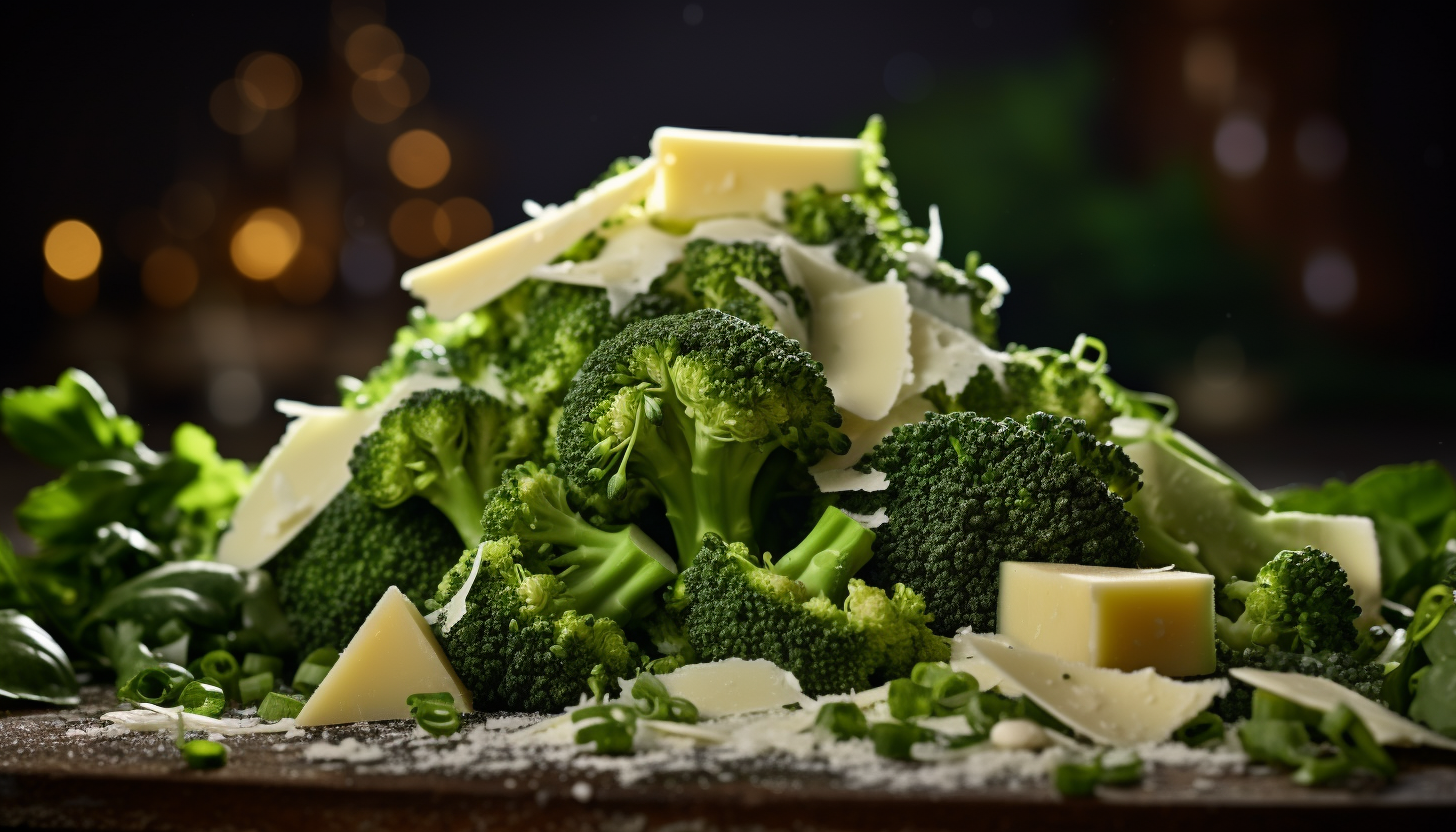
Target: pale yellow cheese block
[(708, 173), (393, 655), (479, 273), (1108, 617), (1107, 706)]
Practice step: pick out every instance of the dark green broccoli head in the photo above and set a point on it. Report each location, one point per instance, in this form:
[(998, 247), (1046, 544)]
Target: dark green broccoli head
[(714, 273), (730, 606), (332, 573), (610, 571), (426, 345), (1043, 379), (561, 325), (1300, 601), (688, 408), (521, 645), (966, 493), (1362, 676), (448, 446)]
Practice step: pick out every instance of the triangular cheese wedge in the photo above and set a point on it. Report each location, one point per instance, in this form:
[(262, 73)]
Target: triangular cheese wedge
[(1105, 705), (393, 655)]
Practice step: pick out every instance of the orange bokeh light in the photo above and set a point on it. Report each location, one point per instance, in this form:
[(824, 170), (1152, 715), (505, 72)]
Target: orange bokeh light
[(266, 243), (72, 249), (270, 81), (419, 158)]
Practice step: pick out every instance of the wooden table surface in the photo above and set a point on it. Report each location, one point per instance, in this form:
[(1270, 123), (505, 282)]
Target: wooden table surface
[(51, 780)]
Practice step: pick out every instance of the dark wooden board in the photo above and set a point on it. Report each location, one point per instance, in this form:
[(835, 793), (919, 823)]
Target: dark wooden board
[(50, 780)]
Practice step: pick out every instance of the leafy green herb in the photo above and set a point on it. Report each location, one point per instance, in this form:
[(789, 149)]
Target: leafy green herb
[(32, 665), (1279, 732)]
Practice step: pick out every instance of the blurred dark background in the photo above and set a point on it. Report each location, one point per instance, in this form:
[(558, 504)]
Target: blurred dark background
[(1250, 202)]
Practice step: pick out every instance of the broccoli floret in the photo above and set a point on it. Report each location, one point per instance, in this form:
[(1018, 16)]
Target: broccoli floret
[(715, 274), (688, 408), (1360, 675), (425, 345), (1299, 601), (824, 561), (1043, 379), (731, 606), (448, 446), (966, 493), (521, 645), (1199, 515), (874, 237), (332, 573), (610, 571), (562, 324)]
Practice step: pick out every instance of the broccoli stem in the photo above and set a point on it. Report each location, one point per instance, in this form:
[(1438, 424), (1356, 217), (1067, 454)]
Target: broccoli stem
[(615, 574), (455, 493), (723, 474), (829, 556)]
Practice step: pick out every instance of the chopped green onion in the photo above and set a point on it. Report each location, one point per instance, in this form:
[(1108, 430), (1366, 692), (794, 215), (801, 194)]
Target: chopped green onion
[(276, 706), (1268, 706), (434, 712), (950, 689), (1123, 770), (1076, 779), (656, 703), (414, 700), (615, 732), (255, 663), (220, 666), (252, 689), (842, 721), (1204, 729), (1275, 741), (204, 754), (1343, 728), (909, 700), (315, 667), (895, 739), (203, 697), (152, 685)]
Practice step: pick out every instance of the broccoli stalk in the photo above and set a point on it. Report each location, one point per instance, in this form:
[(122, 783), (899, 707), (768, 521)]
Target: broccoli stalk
[(689, 408), (612, 572), (826, 560), (448, 446)]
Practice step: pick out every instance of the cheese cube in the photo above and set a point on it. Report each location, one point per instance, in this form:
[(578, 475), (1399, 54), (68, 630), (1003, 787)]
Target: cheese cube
[(708, 173), (1108, 617), (392, 656)]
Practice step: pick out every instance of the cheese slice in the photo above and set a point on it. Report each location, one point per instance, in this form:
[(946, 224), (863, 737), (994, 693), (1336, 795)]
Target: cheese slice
[(864, 434), (731, 686), (1107, 706), (945, 354), (815, 269), (479, 273), (626, 266), (848, 479), (1386, 726), (1109, 617), (739, 230), (707, 173), (305, 471), (392, 656), (862, 337)]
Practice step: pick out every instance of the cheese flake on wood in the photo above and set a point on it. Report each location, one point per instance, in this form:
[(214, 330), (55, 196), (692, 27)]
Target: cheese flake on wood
[(708, 173), (1107, 706), (305, 471), (392, 656), (479, 273), (862, 337), (732, 686), (1386, 726), (1110, 617)]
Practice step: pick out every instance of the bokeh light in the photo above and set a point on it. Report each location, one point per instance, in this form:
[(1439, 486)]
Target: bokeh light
[(374, 52), (70, 297), (269, 80), (266, 243), (419, 158), (72, 249), (381, 101), (308, 278), (1240, 146), (1210, 69), (233, 110), (169, 277), (412, 228), (188, 210), (462, 221), (1329, 281)]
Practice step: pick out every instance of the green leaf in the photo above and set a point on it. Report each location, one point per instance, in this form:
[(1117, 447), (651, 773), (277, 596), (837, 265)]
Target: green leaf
[(1435, 700), (202, 593), (32, 665), (68, 423), (71, 507)]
